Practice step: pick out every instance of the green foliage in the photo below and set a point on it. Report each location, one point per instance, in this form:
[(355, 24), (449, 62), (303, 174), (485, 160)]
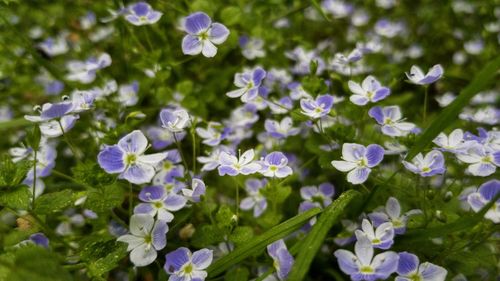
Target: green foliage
[(104, 199), (16, 198), (54, 202), (102, 256), (91, 174), (12, 174), (32, 263)]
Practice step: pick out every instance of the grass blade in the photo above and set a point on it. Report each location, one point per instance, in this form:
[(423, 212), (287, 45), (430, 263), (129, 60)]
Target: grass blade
[(259, 243), (314, 240), (479, 83), (20, 122)]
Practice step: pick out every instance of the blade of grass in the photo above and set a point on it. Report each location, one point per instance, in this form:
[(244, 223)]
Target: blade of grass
[(259, 243), (19, 122), (315, 238), (479, 83)]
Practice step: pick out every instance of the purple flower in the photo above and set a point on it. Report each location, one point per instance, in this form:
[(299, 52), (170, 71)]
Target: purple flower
[(255, 199), (283, 260), (454, 143), (147, 236), (482, 161), (157, 202), (39, 239), (50, 111), (202, 35), (275, 165), (232, 166), (196, 190), (409, 269), (141, 13), (184, 266), (213, 134), (317, 108), (127, 94), (303, 61), (430, 165), (212, 161), (358, 161), (486, 192), (54, 47), (127, 158), (248, 83), (320, 196), (382, 237), (391, 120), (252, 47), (281, 106), (417, 76), (85, 71), (82, 100), (362, 265), (174, 120), (54, 129), (282, 129), (369, 91), (392, 213)]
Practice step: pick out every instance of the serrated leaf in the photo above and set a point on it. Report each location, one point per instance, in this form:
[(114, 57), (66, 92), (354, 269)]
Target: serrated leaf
[(53, 202), (18, 198), (241, 234), (206, 235), (104, 199), (102, 256)]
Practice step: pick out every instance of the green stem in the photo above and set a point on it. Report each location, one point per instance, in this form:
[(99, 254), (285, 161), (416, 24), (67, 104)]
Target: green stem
[(184, 162), (426, 93), (34, 180), (65, 137)]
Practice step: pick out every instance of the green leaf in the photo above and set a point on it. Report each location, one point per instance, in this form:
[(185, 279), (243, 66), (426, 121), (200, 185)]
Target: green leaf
[(206, 235), (479, 83), (241, 234), (237, 274), (230, 15), (315, 238), (225, 216), (259, 243), (53, 202), (36, 263), (104, 199), (18, 198), (14, 123), (103, 256), (12, 174)]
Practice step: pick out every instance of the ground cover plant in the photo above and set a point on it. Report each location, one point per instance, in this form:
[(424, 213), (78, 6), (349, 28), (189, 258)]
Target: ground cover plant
[(249, 140)]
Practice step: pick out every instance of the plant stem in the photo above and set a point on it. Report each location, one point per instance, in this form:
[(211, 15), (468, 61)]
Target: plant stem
[(186, 168), (426, 93), (34, 180)]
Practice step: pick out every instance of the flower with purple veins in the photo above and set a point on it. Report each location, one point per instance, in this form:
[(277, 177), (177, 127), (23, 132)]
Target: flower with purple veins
[(320, 196), (157, 202), (50, 111), (141, 13), (391, 120), (255, 199), (281, 106), (212, 161), (249, 83), (430, 165), (128, 94), (486, 192), (489, 139), (146, 237), (454, 143), (358, 161), (127, 158), (202, 35), (161, 138), (85, 71), (275, 165), (482, 161), (232, 166), (409, 268), (297, 92), (54, 129), (369, 91), (381, 237), (283, 260), (38, 239), (182, 265), (54, 47), (252, 48), (392, 213), (213, 134), (417, 76), (281, 129), (363, 265), (196, 190), (174, 120), (317, 108), (82, 100)]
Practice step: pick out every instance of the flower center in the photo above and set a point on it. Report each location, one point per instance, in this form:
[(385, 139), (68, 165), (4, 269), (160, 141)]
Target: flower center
[(148, 239), (388, 121), (203, 36), (366, 269), (487, 159), (167, 165), (369, 94), (130, 159), (376, 241), (158, 205), (273, 168), (188, 269), (426, 169)]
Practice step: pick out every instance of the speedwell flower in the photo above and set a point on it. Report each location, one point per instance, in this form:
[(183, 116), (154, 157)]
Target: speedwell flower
[(392, 213), (249, 83), (317, 108), (146, 237), (202, 35), (232, 166), (283, 260), (255, 199), (391, 120), (430, 165), (410, 269), (417, 76), (182, 265), (141, 13), (486, 192), (275, 165), (381, 237), (369, 91), (157, 202), (358, 161), (127, 158)]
